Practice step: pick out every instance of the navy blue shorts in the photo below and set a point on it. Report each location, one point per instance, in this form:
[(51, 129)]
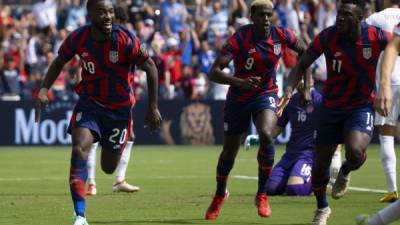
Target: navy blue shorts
[(335, 125), (237, 115), (111, 129)]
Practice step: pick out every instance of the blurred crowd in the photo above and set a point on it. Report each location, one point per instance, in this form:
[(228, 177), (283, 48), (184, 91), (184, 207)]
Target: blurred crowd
[(183, 37)]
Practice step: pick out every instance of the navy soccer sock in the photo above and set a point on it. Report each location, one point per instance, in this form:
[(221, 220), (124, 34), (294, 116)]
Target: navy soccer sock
[(223, 168), (265, 158), (319, 188)]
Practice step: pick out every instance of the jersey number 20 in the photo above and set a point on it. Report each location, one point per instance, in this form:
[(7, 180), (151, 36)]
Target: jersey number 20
[(116, 133)]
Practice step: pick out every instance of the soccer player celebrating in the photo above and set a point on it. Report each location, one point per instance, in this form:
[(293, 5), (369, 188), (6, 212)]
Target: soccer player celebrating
[(103, 113), (120, 184), (383, 105), (255, 50), (352, 49), (387, 19)]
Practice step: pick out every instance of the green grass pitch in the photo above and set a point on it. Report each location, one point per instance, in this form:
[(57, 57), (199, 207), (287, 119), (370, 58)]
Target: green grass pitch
[(177, 183)]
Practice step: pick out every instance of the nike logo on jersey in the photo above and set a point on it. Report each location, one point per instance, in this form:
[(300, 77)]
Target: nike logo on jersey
[(85, 54)]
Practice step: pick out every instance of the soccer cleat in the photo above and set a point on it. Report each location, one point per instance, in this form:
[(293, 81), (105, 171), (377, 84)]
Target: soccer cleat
[(250, 140), (321, 216), (261, 201), (123, 186), (390, 197), (215, 206), (340, 186), (362, 219), (80, 220), (92, 190)]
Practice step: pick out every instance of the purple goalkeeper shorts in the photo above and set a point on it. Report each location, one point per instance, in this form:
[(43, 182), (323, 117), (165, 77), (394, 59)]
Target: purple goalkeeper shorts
[(297, 165)]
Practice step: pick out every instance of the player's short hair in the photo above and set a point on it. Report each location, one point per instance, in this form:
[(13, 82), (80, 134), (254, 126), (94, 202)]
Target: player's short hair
[(257, 3), (90, 3), (360, 3)]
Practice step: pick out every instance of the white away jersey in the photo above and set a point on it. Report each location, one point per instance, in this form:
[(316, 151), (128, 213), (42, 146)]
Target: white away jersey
[(387, 20)]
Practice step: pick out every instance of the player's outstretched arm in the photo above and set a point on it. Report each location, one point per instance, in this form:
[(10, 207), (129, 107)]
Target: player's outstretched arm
[(219, 76), (52, 74), (383, 100), (153, 116)]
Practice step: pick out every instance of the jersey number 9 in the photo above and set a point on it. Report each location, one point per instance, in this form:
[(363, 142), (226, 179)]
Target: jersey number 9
[(249, 63)]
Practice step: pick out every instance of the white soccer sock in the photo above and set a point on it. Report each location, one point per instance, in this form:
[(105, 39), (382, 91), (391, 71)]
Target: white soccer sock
[(123, 162), (91, 163), (336, 164), (388, 158), (387, 215)]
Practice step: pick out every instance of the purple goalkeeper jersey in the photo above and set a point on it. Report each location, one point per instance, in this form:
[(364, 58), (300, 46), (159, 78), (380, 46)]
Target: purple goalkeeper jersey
[(303, 120)]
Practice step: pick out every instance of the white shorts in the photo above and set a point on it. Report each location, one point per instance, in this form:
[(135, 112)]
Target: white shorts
[(394, 114)]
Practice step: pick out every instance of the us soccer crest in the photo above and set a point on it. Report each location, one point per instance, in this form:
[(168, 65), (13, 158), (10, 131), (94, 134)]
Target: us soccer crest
[(277, 49), (113, 55), (367, 53)]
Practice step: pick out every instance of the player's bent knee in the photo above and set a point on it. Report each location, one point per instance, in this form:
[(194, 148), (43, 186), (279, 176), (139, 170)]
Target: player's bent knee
[(108, 169), (266, 138), (357, 162), (78, 152)]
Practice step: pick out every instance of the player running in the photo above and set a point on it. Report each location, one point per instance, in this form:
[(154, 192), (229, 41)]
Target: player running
[(255, 50), (120, 184), (352, 49), (103, 113)]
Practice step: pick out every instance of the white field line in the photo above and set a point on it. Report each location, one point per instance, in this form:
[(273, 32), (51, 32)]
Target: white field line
[(350, 188), (22, 179)]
